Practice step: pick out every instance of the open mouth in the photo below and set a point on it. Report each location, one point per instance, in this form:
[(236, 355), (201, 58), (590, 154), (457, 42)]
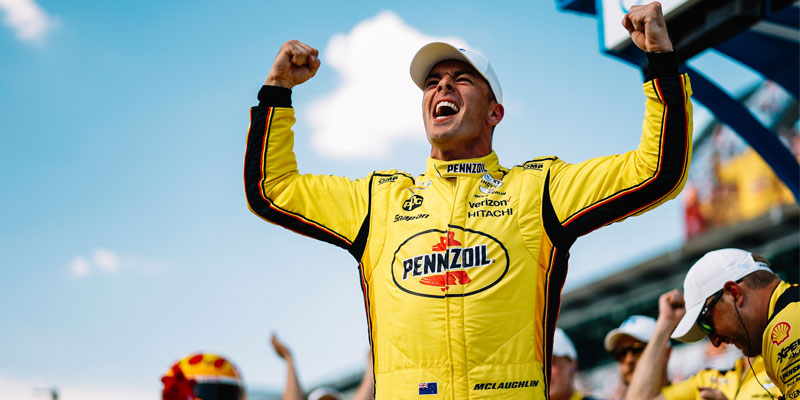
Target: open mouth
[(445, 109)]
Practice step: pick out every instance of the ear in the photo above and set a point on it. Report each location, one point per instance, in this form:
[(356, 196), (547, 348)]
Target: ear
[(736, 292), (496, 113)]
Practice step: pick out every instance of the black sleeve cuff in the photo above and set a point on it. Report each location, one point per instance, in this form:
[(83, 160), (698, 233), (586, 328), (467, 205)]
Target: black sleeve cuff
[(660, 65), (274, 96)]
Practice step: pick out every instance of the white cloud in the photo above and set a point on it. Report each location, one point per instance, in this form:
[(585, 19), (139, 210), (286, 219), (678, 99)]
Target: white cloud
[(79, 266), (376, 103), (106, 260), (110, 262), (26, 18), (27, 389)]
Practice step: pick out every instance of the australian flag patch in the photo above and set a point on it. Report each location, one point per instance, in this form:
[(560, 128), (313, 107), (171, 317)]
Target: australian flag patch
[(428, 388)]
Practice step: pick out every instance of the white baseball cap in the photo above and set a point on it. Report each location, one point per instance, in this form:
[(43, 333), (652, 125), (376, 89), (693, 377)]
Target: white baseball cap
[(562, 346), (639, 327), (433, 53), (324, 393), (706, 277)]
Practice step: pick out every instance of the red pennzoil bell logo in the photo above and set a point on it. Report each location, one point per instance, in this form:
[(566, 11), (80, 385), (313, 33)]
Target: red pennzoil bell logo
[(455, 262), (780, 333)]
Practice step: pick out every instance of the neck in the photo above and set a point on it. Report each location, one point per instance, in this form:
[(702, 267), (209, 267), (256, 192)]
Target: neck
[(455, 155), (762, 303)]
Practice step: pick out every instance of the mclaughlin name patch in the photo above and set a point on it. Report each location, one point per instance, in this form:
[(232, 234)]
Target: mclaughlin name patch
[(505, 385)]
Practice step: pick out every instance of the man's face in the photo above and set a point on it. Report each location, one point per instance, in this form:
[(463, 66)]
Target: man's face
[(728, 328), (562, 377), (456, 108), (630, 350)]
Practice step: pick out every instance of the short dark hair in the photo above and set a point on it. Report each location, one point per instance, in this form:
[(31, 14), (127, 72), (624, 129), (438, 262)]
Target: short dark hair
[(759, 279)]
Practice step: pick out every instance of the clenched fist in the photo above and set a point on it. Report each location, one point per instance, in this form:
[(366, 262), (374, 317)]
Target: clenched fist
[(295, 63), (647, 28)]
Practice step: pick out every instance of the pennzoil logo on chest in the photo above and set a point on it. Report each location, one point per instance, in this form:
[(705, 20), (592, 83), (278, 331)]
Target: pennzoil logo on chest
[(453, 263)]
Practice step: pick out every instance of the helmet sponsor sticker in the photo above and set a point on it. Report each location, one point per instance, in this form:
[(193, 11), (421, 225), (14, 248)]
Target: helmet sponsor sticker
[(453, 263)]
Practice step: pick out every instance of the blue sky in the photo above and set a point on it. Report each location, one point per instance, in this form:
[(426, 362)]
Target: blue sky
[(126, 242)]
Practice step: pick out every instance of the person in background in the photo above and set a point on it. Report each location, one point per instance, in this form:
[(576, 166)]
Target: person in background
[(293, 390), (564, 369), (742, 382), (732, 296), (626, 345)]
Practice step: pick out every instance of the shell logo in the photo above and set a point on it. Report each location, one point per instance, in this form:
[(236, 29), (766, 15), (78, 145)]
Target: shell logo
[(780, 333)]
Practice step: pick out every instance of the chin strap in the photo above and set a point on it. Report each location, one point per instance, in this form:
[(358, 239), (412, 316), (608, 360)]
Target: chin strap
[(177, 387)]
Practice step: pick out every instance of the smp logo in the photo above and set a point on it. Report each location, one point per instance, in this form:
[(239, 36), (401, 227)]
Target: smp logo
[(412, 202), (388, 179), (534, 166)]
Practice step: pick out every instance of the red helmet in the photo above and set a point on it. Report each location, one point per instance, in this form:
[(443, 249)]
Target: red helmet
[(203, 376)]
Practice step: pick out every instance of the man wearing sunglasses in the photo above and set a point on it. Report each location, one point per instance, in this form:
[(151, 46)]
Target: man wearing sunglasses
[(626, 344), (732, 296), (743, 382)]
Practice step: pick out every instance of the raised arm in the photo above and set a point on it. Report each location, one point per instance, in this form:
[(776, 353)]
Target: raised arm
[(292, 391), (652, 364), (328, 208), (603, 190)]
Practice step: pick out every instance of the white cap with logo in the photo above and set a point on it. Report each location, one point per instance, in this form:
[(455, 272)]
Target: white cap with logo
[(433, 53), (706, 277), (639, 327), (562, 346)]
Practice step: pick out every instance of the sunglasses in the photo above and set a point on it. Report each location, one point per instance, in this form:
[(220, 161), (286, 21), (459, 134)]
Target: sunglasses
[(704, 319), (635, 348)]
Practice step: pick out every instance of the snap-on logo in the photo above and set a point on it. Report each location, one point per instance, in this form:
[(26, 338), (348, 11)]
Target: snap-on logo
[(452, 263), (412, 202)]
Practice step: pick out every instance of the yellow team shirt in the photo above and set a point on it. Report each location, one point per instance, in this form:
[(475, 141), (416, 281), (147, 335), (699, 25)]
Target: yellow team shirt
[(781, 340), (735, 384)]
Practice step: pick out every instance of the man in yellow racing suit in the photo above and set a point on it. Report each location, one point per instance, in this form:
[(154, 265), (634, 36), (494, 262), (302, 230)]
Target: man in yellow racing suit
[(462, 266), (748, 380)]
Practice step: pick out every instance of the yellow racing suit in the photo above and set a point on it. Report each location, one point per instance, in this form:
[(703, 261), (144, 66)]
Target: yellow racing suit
[(781, 340), (739, 383), (462, 266)]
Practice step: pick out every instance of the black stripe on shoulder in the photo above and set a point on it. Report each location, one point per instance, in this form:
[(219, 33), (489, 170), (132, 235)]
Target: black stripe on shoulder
[(560, 236), (789, 296), (673, 158), (360, 244), (257, 139)]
